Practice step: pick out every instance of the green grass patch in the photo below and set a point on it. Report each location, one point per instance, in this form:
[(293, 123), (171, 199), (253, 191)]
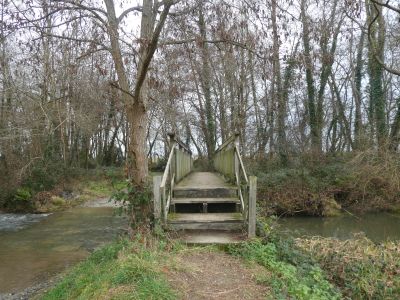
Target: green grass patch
[(292, 274), (362, 269), (122, 270)]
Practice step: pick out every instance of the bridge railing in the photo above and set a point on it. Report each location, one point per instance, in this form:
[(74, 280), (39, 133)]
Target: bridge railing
[(228, 161), (179, 164)]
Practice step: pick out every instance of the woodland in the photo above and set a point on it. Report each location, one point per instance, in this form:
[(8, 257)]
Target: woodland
[(312, 86)]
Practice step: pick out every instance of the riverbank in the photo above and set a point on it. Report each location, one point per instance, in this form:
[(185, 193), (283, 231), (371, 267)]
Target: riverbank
[(275, 266), (328, 185), (71, 191), (164, 269)]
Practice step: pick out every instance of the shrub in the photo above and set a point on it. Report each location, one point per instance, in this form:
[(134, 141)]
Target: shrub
[(23, 194), (294, 274), (362, 269)]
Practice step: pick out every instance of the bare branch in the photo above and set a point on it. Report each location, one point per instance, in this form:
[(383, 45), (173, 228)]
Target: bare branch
[(126, 12), (378, 59), (387, 5)]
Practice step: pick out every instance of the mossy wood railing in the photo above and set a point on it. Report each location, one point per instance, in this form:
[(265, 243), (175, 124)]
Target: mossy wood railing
[(228, 161), (179, 165)]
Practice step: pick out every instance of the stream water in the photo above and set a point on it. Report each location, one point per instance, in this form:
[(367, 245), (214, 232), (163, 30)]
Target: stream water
[(34, 248), (376, 226)]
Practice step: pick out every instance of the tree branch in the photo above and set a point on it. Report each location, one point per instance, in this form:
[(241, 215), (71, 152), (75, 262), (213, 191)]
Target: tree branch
[(387, 5), (126, 12), (378, 59)]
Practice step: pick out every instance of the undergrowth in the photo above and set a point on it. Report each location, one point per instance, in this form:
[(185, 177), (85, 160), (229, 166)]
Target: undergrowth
[(294, 275), (122, 270), (362, 269), (321, 186)]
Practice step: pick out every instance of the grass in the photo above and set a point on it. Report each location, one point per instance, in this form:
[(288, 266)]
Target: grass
[(362, 269), (137, 270), (292, 274), (122, 270), (86, 187)]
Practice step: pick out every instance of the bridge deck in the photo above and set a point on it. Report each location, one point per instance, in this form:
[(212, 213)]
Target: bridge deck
[(202, 180)]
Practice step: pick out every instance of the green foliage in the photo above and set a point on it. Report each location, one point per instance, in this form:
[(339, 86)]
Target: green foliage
[(135, 202), (58, 201), (122, 270), (360, 268), (293, 274), (23, 194), (44, 175)]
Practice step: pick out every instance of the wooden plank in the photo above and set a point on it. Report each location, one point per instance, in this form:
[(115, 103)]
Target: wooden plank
[(201, 217), (205, 200), (157, 197), (211, 237), (252, 206), (227, 225)]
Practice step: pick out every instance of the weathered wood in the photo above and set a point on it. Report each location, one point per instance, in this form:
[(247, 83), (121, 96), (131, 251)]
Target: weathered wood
[(206, 221), (242, 165), (252, 206), (204, 192), (226, 143), (157, 197), (167, 167), (211, 237), (209, 217), (206, 226), (205, 200)]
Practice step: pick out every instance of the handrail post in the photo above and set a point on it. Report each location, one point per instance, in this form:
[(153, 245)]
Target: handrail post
[(252, 206), (236, 157), (157, 199)]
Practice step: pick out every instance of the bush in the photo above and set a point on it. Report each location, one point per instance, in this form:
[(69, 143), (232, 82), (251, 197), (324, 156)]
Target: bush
[(294, 274), (365, 181), (23, 194), (362, 269)]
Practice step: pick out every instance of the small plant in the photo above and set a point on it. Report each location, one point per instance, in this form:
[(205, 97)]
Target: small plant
[(23, 194), (294, 275), (135, 203)]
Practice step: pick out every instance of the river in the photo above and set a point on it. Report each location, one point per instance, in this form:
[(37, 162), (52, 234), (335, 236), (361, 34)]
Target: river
[(34, 248), (377, 227)]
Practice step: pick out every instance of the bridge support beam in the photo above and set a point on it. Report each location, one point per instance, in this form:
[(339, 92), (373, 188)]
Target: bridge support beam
[(157, 198), (252, 206)]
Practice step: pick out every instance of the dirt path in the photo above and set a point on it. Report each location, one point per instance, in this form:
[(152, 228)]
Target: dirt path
[(215, 275)]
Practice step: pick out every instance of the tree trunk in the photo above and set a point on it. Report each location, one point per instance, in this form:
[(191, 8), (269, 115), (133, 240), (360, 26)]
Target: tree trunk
[(312, 117)]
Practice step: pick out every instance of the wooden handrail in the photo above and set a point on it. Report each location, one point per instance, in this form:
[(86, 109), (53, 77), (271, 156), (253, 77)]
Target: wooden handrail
[(241, 164), (180, 143), (227, 142), (228, 161), (179, 164), (167, 167)]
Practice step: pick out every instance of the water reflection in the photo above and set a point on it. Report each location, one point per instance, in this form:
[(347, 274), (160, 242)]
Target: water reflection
[(377, 227)]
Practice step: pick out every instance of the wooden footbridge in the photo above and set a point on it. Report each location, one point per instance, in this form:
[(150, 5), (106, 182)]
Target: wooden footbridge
[(206, 207)]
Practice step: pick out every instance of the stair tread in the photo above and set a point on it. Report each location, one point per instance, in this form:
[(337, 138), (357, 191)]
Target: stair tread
[(204, 187), (204, 217), (205, 200), (211, 237)]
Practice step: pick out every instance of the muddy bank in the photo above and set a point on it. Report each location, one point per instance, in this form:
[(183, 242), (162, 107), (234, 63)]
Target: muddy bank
[(326, 186)]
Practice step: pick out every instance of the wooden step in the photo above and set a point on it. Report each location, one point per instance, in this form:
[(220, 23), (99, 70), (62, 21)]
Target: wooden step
[(195, 237), (205, 200), (205, 221), (205, 192)]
